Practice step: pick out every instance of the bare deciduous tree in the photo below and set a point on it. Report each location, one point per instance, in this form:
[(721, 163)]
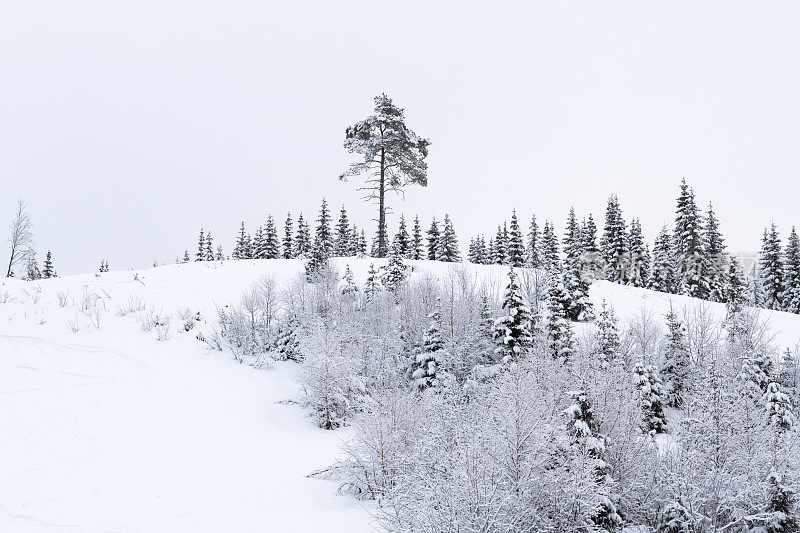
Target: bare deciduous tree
[(21, 238)]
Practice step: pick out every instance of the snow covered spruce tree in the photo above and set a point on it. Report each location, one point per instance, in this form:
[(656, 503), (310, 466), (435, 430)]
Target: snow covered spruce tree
[(394, 274), (533, 255), (771, 269), (639, 273), (587, 443), (791, 273), (500, 250), (579, 307), (676, 367), (589, 235), (476, 253), (650, 389), (209, 254), (323, 245), (361, 245), (511, 333), (341, 246), (318, 261), (402, 238), (393, 157), (259, 244), (427, 370), (779, 409), (354, 244), (692, 267), (560, 337), (323, 234), (782, 510), (371, 285), (287, 338), (433, 240), (614, 244), (32, 271), (349, 287), (416, 252), (272, 246), (447, 243), (302, 241), (607, 336), (288, 241), (48, 270), (201, 247), (551, 261), (717, 257), (663, 277), (515, 251)]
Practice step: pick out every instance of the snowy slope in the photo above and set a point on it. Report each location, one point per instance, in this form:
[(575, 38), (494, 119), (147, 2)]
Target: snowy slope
[(112, 430)]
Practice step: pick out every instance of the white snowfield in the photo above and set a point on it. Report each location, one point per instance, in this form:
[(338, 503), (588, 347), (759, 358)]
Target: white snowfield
[(110, 430)]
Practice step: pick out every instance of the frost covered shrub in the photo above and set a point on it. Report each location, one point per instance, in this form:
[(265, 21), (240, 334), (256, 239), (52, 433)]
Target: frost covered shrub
[(247, 328), (333, 388), (63, 296), (161, 325), (188, 318), (133, 305)]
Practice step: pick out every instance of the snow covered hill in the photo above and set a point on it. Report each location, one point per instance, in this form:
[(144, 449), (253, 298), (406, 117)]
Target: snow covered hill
[(106, 428)]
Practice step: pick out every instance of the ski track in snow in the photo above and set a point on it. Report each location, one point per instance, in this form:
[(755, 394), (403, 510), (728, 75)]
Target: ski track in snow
[(110, 430)]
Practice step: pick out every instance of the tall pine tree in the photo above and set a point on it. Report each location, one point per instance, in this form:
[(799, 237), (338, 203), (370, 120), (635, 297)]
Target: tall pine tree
[(417, 251), (402, 238), (201, 247), (48, 271), (771, 269), (515, 247), (662, 277), (209, 247), (288, 241), (791, 273), (447, 243), (511, 333), (342, 241), (302, 241), (691, 264), (579, 307), (639, 274), (272, 247), (433, 240), (716, 256), (614, 244), (533, 252), (676, 367)]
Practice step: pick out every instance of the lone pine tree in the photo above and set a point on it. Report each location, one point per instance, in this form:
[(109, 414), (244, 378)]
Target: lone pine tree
[(48, 271), (511, 333), (393, 157)]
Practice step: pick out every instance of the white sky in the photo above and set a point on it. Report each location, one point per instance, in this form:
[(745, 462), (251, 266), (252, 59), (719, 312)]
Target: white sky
[(127, 126)]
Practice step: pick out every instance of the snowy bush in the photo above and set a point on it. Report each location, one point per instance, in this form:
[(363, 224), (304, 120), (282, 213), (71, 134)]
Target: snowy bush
[(333, 388), (133, 305), (62, 296), (161, 325)]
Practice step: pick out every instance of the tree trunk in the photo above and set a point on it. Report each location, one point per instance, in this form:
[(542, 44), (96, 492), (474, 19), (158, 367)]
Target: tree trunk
[(382, 208), (11, 260)]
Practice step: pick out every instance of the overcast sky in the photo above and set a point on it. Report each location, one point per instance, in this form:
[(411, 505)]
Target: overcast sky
[(126, 126)]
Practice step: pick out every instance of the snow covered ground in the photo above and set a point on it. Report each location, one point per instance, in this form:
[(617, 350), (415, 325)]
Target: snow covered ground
[(109, 429)]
